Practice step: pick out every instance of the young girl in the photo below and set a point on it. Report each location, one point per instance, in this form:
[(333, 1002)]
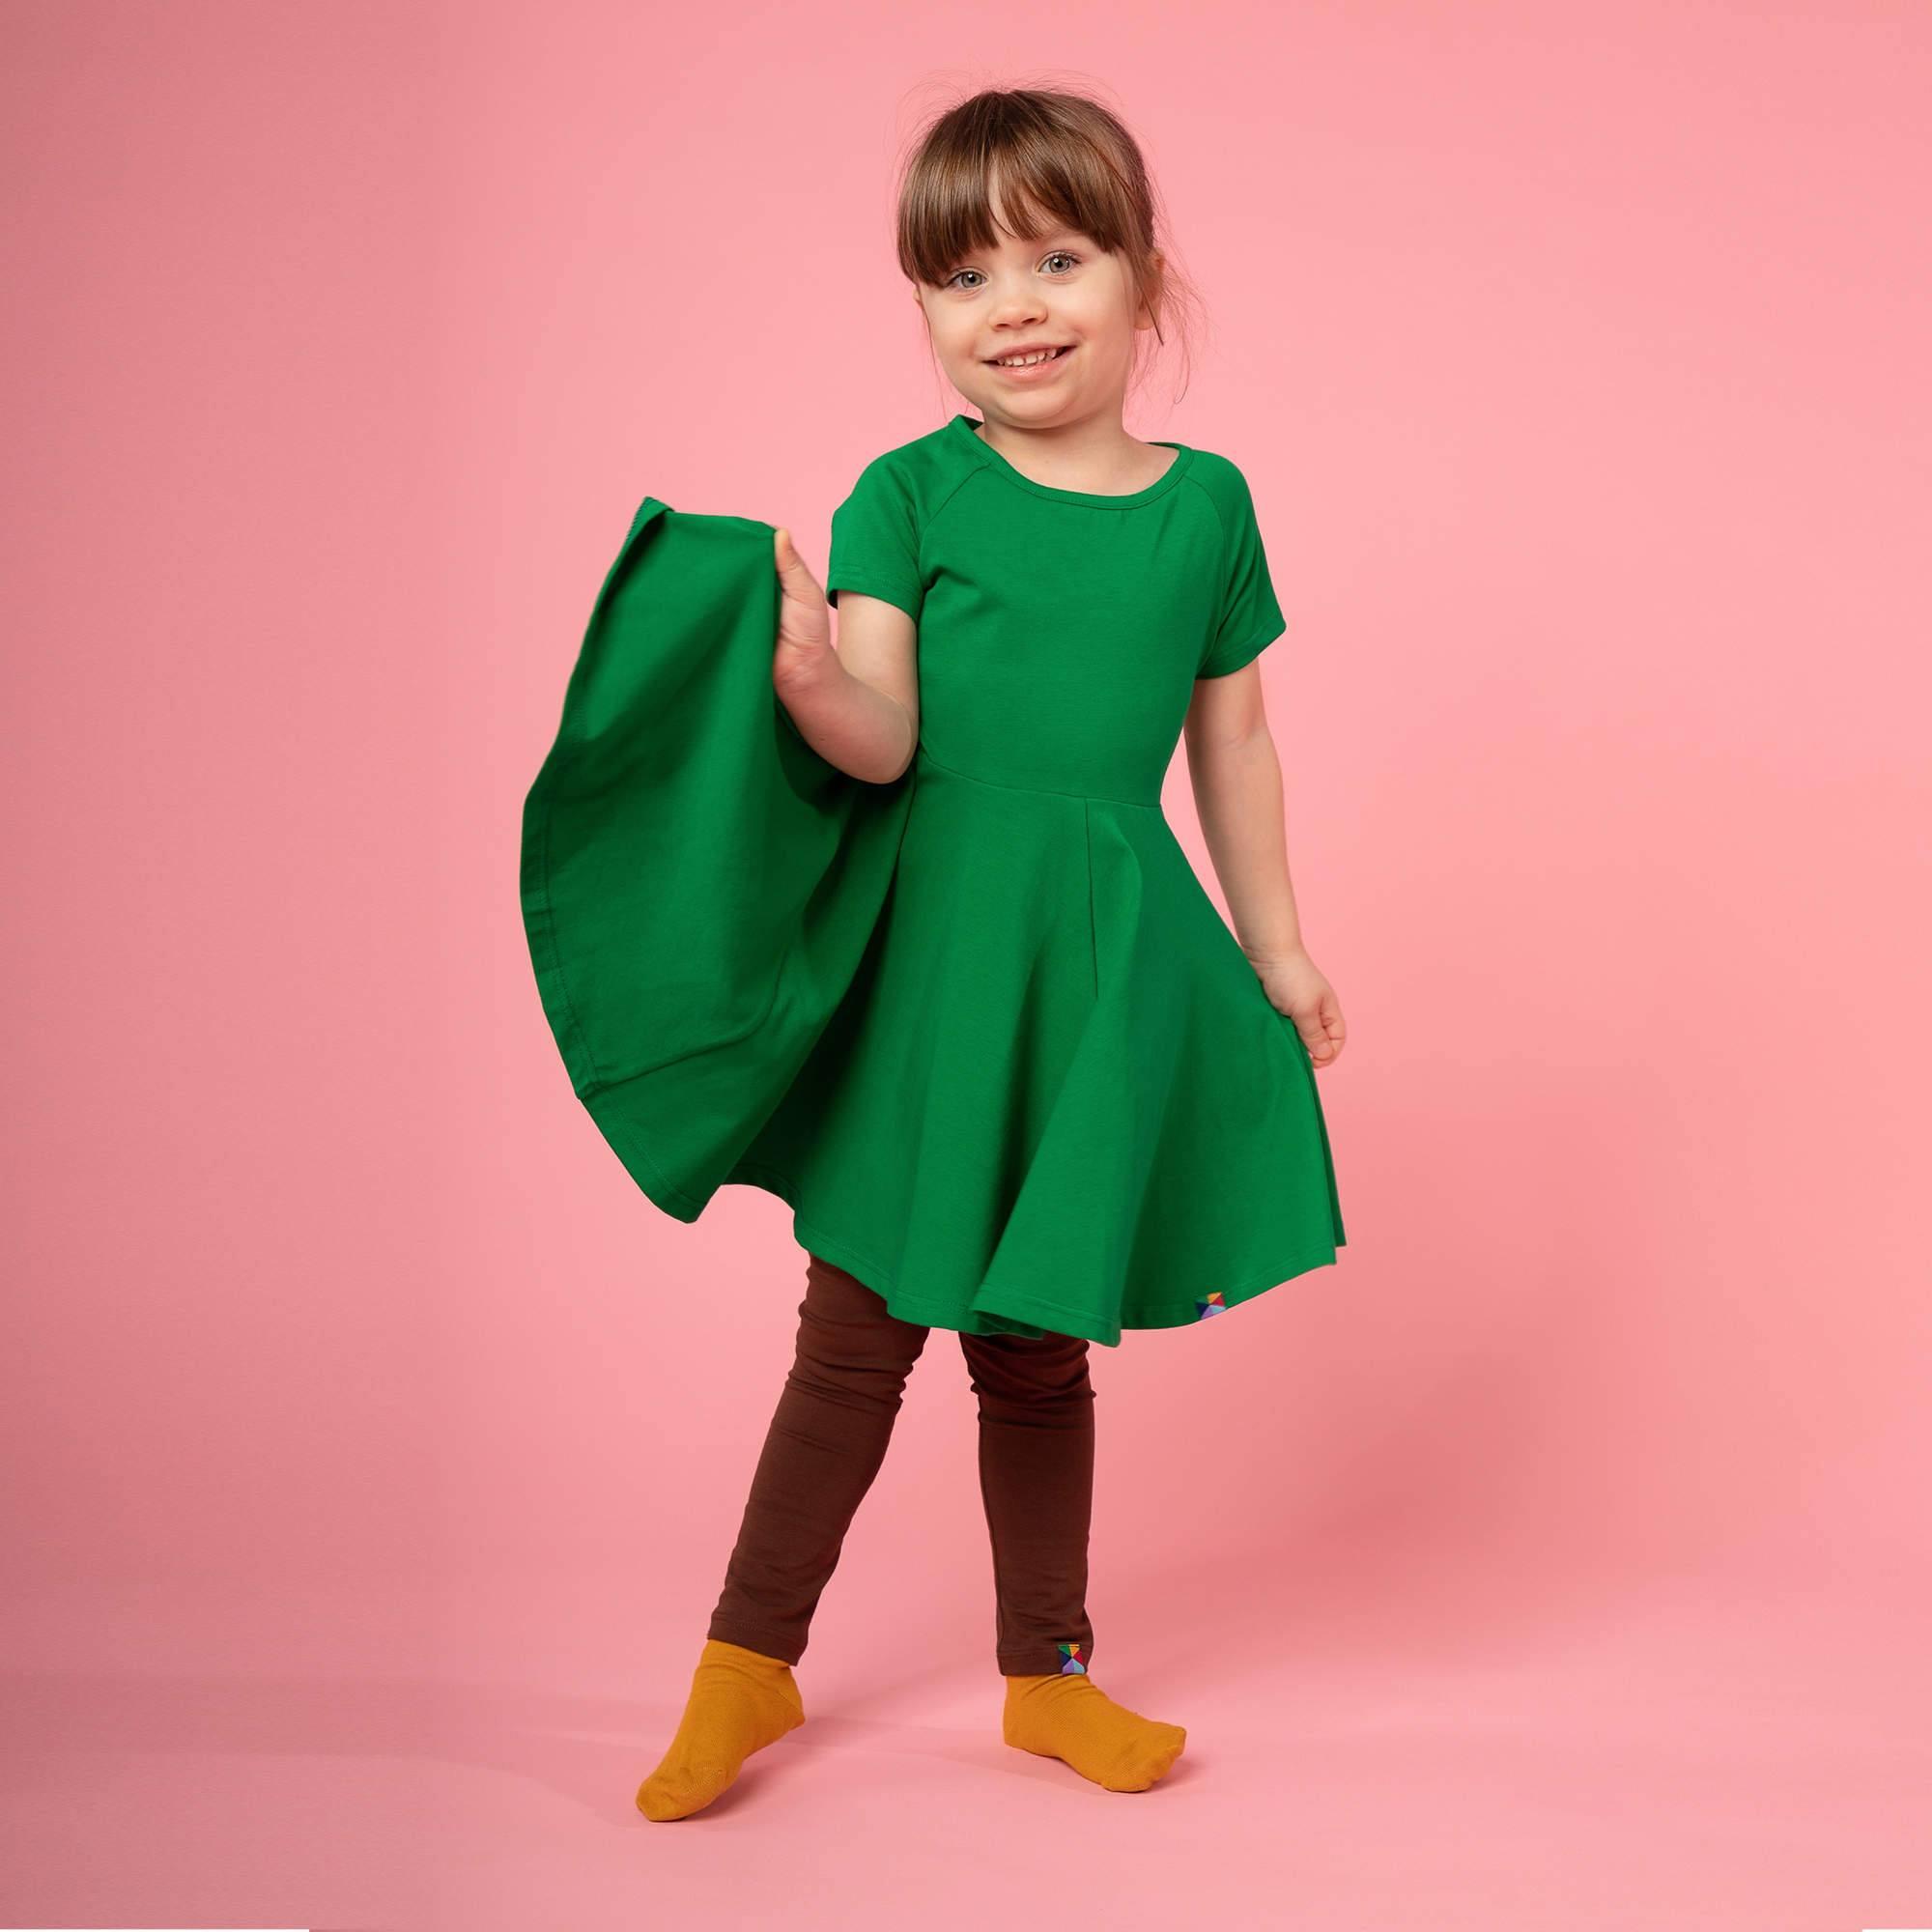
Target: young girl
[(926, 960)]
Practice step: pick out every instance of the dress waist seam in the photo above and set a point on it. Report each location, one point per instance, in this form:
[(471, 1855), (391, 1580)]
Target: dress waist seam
[(1043, 791)]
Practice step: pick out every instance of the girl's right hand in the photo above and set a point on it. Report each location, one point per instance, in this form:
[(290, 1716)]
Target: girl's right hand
[(804, 648)]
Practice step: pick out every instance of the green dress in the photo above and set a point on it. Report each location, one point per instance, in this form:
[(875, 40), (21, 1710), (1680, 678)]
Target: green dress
[(979, 1028)]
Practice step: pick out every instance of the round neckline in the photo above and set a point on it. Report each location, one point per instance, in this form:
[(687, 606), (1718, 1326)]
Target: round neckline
[(969, 427)]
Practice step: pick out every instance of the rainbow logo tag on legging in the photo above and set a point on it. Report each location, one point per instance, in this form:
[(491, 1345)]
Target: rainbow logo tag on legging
[(1071, 1653), (1215, 1304)]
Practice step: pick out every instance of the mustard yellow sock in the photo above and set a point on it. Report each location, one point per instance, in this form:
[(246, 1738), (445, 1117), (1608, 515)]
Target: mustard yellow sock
[(1070, 1718), (740, 1701)]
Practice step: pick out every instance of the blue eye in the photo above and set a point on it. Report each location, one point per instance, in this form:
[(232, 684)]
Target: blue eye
[(1058, 255)]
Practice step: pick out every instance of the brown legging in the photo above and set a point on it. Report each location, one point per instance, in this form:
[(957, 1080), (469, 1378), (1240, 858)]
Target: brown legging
[(828, 1440)]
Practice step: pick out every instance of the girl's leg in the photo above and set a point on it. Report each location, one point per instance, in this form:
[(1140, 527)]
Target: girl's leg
[(1036, 1477), (1036, 1480), (826, 1443)]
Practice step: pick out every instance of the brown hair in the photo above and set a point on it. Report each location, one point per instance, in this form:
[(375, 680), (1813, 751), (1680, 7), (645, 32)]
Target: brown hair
[(1057, 158)]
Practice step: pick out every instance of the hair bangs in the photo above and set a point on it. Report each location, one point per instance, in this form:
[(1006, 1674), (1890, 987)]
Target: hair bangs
[(1038, 172)]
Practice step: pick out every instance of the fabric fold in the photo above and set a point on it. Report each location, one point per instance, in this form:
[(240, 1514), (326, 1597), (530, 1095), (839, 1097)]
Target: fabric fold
[(699, 885)]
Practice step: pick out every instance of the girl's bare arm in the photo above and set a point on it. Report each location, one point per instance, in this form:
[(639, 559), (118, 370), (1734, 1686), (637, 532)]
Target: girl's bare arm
[(1235, 776)]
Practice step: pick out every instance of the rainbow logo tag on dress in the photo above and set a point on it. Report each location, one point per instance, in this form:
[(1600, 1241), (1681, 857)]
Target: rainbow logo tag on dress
[(1072, 1665), (1215, 1304)]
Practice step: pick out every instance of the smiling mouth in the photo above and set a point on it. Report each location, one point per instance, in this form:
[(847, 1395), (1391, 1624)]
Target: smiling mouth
[(1065, 349)]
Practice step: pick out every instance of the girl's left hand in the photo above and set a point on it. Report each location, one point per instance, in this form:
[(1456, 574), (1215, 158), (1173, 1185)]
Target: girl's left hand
[(1296, 986)]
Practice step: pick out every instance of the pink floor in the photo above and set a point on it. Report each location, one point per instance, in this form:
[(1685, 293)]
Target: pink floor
[(1753, 1756)]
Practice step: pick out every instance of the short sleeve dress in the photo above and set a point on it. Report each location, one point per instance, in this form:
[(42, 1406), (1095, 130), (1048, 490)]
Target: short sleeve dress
[(981, 1028)]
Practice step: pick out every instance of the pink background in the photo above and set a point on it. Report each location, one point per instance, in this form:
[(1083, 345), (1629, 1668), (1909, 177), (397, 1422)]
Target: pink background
[(374, 1448)]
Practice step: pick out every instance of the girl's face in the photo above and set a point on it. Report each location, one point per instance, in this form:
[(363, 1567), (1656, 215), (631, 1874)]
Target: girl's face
[(1063, 293)]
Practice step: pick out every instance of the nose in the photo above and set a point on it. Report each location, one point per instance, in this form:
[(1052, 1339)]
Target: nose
[(1017, 302)]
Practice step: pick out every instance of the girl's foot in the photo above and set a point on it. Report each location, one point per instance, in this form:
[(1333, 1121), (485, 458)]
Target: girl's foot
[(740, 1701), (1070, 1718)]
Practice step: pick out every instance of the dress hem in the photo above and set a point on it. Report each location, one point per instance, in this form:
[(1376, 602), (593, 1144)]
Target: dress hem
[(1054, 1316), (1034, 1310)]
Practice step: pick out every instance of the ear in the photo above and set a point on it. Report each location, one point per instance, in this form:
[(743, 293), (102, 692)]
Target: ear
[(1156, 279)]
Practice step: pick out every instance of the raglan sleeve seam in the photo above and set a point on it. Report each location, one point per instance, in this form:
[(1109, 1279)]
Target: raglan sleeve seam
[(877, 541)]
